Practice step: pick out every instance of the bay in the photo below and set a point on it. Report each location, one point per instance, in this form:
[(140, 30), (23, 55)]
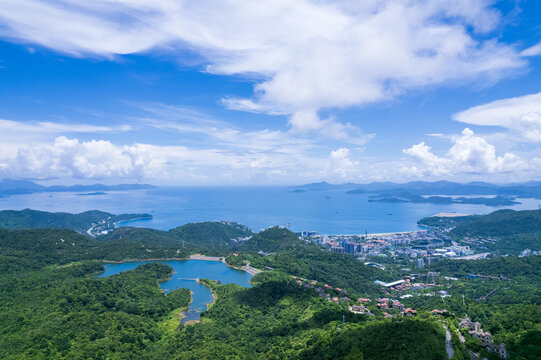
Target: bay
[(327, 212)]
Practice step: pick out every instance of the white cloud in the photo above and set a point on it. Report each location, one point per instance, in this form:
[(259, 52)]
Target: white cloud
[(532, 51), (190, 120), (101, 159), (520, 114), (90, 160), (340, 166), (304, 55), (18, 127), (15, 133), (469, 154)]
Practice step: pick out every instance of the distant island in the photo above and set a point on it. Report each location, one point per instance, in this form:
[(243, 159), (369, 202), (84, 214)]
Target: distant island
[(488, 201), (438, 192), (19, 187)]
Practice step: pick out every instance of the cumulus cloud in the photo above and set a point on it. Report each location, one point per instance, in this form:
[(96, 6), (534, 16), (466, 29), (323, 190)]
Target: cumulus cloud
[(520, 114), (340, 166), (469, 154), (101, 159), (304, 55), (96, 159), (15, 133)]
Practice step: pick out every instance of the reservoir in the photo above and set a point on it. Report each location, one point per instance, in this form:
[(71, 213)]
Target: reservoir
[(185, 273)]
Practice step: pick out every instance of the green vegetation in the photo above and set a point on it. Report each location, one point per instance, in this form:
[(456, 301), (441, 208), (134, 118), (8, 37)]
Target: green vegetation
[(32, 249), (33, 219), (62, 313), (444, 222), (209, 235), (507, 304), (515, 230), (278, 320), (271, 240), (397, 339), (52, 307), (503, 223)]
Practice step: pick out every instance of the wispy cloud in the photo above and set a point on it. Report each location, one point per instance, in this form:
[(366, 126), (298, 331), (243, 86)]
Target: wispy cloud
[(304, 56), (522, 115), (534, 50), (192, 120), (21, 128)]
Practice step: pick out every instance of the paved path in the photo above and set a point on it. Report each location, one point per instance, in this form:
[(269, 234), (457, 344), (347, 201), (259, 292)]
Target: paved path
[(448, 343)]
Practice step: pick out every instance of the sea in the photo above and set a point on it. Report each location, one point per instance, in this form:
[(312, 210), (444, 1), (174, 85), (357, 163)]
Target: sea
[(325, 212)]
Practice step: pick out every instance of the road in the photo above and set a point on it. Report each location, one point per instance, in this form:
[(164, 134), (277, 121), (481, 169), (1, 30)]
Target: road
[(472, 257), (448, 343)]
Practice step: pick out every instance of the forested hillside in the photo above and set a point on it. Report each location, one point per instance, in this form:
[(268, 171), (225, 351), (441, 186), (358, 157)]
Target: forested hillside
[(62, 313), (33, 219), (515, 231), (52, 306)]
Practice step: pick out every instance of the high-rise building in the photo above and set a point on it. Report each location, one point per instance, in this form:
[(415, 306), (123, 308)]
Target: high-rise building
[(349, 248)]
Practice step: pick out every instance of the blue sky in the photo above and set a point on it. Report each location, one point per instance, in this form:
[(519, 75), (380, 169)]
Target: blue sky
[(272, 92)]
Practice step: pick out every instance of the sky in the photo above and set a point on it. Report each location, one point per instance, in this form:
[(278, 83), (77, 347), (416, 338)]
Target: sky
[(270, 92)]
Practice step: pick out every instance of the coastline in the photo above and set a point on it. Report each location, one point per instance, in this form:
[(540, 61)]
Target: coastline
[(134, 219)]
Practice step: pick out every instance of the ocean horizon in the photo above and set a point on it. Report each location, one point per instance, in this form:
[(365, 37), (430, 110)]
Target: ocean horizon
[(258, 207)]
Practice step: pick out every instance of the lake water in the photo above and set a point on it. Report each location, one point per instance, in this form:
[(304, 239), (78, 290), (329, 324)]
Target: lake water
[(327, 212), (185, 273)]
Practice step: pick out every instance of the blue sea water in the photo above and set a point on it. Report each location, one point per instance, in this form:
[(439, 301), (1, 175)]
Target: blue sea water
[(185, 273), (327, 212)]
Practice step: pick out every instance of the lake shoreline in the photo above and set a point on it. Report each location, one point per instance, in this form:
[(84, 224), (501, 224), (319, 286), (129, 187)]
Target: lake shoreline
[(199, 257), (192, 257), (183, 312), (191, 275)]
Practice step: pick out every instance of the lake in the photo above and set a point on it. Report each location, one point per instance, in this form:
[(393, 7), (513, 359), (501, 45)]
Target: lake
[(185, 273), (327, 212)]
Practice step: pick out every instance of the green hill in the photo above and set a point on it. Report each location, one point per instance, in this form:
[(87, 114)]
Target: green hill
[(383, 340), (64, 313), (515, 230), (271, 240), (34, 219), (501, 223), (213, 235), (443, 222)]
